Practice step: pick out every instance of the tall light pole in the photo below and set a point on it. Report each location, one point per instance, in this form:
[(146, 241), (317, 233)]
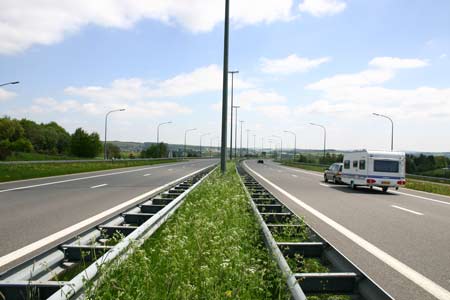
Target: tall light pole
[(223, 150), (254, 144), (240, 143), (392, 128), (106, 129), (235, 131), (8, 83), (324, 137), (157, 135), (201, 136), (281, 147), (295, 141), (262, 145), (210, 145), (185, 135), (232, 107), (248, 131)]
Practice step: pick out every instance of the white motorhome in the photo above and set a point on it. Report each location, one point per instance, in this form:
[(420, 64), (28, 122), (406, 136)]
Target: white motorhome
[(374, 168)]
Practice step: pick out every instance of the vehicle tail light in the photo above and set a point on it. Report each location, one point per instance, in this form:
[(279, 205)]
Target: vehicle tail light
[(371, 181), (401, 182)]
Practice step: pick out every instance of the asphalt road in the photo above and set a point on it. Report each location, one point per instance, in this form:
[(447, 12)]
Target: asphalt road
[(409, 226), (31, 210)]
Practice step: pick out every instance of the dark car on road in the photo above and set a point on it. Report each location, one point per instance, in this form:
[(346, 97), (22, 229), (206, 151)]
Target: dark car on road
[(260, 161), (334, 173)]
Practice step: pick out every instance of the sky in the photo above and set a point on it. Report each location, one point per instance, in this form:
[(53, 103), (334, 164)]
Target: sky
[(331, 62)]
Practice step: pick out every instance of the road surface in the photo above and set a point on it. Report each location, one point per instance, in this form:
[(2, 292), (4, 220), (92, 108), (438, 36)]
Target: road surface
[(31, 210), (399, 239)]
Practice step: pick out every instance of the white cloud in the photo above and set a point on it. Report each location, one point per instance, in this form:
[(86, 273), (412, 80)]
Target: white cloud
[(291, 64), (24, 23), (397, 63), (250, 98), (443, 55), (319, 8), (6, 95)]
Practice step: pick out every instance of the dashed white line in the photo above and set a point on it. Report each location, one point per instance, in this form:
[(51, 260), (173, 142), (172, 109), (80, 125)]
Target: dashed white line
[(324, 184), (169, 170), (145, 175), (424, 282), (408, 210), (97, 186), (293, 175)]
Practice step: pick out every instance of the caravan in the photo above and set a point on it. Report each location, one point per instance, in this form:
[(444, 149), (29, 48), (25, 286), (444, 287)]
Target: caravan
[(374, 168)]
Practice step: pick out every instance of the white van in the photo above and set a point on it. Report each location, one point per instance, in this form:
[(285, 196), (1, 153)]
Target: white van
[(374, 168)]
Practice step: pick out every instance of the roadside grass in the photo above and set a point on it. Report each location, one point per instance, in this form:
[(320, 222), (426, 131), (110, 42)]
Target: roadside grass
[(211, 248), (27, 171), (419, 185), (25, 156)]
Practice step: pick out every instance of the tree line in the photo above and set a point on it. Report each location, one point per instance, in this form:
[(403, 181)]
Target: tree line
[(28, 136)]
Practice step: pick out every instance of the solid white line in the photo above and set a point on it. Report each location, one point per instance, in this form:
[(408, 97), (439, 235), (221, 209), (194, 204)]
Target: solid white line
[(324, 184), (408, 210), (419, 279), (80, 178), (97, 186), (293, 175), (145, 175), (170, 170), (300, 171), (8, 258), (420, 197)]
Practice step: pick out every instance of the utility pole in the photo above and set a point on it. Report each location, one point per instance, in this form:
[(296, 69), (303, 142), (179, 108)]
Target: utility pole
[(223, 163), (232, 107)]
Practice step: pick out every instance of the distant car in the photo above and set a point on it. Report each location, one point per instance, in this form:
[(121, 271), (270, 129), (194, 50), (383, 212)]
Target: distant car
[(260, 161), (334, 173)]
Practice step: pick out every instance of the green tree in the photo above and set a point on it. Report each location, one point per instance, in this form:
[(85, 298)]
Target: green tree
[(84, 144), (156, 151), (112, 151), (12, 137)]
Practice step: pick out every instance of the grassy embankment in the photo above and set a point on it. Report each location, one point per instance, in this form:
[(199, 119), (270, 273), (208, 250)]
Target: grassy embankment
[(419, 185), (27, 156), (211, 248), (27, 171)]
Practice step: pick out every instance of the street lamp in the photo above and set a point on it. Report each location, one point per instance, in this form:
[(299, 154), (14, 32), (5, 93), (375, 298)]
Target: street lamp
[(106, 128), (254, 144), (248, 131), (281, 147), (201, 136), (157, 136), (185, 134), (8, 83), (235, 131), (324, 137), (232, 107), (240, 144), (295, 141), (392, 128), (210, 145)]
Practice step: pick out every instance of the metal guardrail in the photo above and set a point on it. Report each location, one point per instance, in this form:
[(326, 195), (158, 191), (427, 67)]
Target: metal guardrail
[(291, 239), (37, 278)]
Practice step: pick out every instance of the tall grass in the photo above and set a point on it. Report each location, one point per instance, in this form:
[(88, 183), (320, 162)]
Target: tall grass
[(211, 248), (27, 171)]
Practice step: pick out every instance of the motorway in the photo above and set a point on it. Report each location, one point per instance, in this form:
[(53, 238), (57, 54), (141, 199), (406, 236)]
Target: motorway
[(399, 239), (32, 210)]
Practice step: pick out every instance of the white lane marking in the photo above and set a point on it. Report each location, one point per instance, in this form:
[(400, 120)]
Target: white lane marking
[(79, 178), (408, 210), (97, 186), (279, 171), (300, 171), (419, 279), (293, 175), (420, 197), (169, 170), (145, 175), (324, 184), (428, 193), (8, 258)]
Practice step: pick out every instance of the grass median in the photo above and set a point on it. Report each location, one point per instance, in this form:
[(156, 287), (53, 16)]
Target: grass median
[(211, 248), (27, 171), (418, 185)]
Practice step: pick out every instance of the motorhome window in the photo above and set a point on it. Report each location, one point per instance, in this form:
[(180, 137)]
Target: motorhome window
[(362, 164), (387, 166), (355, 164), (346, 164)]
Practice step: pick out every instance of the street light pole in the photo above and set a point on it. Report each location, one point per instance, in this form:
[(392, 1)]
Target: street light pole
[(223, 163), (106, 129), (185, 134), (201, 136), (157, 135), (262, 145), (8, 83), (295, 141), (324, 137), (392, 128), (254, 144), (248, 131), (211, 145), (281, 147), (240, 143), (232, 107), (235, 131)]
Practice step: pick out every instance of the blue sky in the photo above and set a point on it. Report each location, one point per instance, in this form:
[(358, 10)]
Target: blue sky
[(332, 62)]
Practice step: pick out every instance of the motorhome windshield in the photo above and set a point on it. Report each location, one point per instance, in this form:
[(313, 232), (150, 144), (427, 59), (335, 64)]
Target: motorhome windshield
[(387, 166)]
